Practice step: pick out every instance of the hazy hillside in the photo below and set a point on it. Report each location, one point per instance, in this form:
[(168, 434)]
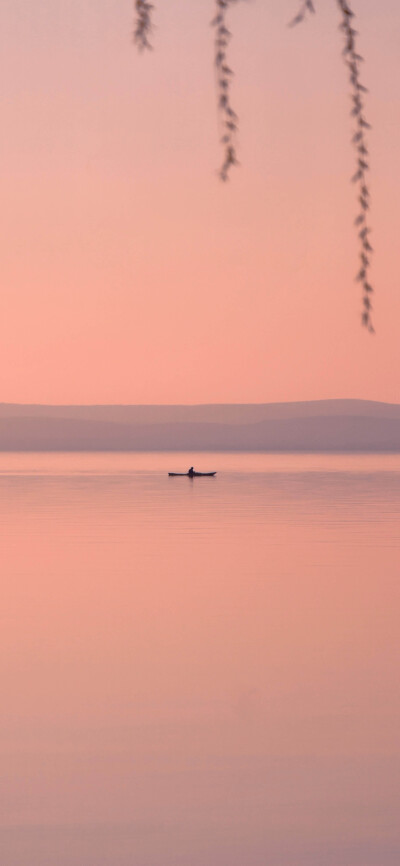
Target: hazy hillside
[(326, 425), (249, 413)]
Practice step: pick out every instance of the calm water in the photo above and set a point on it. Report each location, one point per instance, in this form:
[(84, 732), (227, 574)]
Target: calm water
[(199, 672)]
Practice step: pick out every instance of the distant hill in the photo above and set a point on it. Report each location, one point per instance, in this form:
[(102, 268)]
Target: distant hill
[(321, 425)]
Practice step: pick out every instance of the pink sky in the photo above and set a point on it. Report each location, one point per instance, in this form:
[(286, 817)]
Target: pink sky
[(129, 273)]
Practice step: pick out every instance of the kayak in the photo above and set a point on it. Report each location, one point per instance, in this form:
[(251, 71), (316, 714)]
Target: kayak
[(192, 475)]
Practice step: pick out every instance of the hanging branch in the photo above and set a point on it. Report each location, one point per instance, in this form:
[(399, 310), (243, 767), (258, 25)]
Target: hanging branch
[(306, 7), (143, 25), (227, 115), (229, 119), (353, 61)]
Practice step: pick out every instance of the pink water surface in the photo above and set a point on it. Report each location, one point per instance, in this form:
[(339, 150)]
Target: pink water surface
[(199, 672)]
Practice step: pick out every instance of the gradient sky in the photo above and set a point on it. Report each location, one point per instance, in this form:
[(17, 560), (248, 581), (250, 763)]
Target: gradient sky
[(129, 272)]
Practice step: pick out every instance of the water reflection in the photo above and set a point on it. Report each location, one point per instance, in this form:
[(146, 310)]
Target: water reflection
[(199, 671)]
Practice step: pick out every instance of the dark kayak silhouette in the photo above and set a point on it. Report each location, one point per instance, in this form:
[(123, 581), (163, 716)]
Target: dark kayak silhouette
[(192, 474)]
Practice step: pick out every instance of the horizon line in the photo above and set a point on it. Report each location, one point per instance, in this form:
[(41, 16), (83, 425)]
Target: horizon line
[(206, 404)]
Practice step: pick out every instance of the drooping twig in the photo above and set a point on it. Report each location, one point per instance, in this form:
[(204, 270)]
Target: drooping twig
[(229, 118), (143, 25), (306, 7), (353, 61)]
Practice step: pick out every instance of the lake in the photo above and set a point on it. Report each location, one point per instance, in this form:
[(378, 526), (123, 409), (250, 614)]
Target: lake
[(199, 672)]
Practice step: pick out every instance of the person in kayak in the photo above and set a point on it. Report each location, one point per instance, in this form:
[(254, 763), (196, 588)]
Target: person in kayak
[(191, 472)]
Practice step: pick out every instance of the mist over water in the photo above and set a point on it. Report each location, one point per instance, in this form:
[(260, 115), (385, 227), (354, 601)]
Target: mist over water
[(199, 672)]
